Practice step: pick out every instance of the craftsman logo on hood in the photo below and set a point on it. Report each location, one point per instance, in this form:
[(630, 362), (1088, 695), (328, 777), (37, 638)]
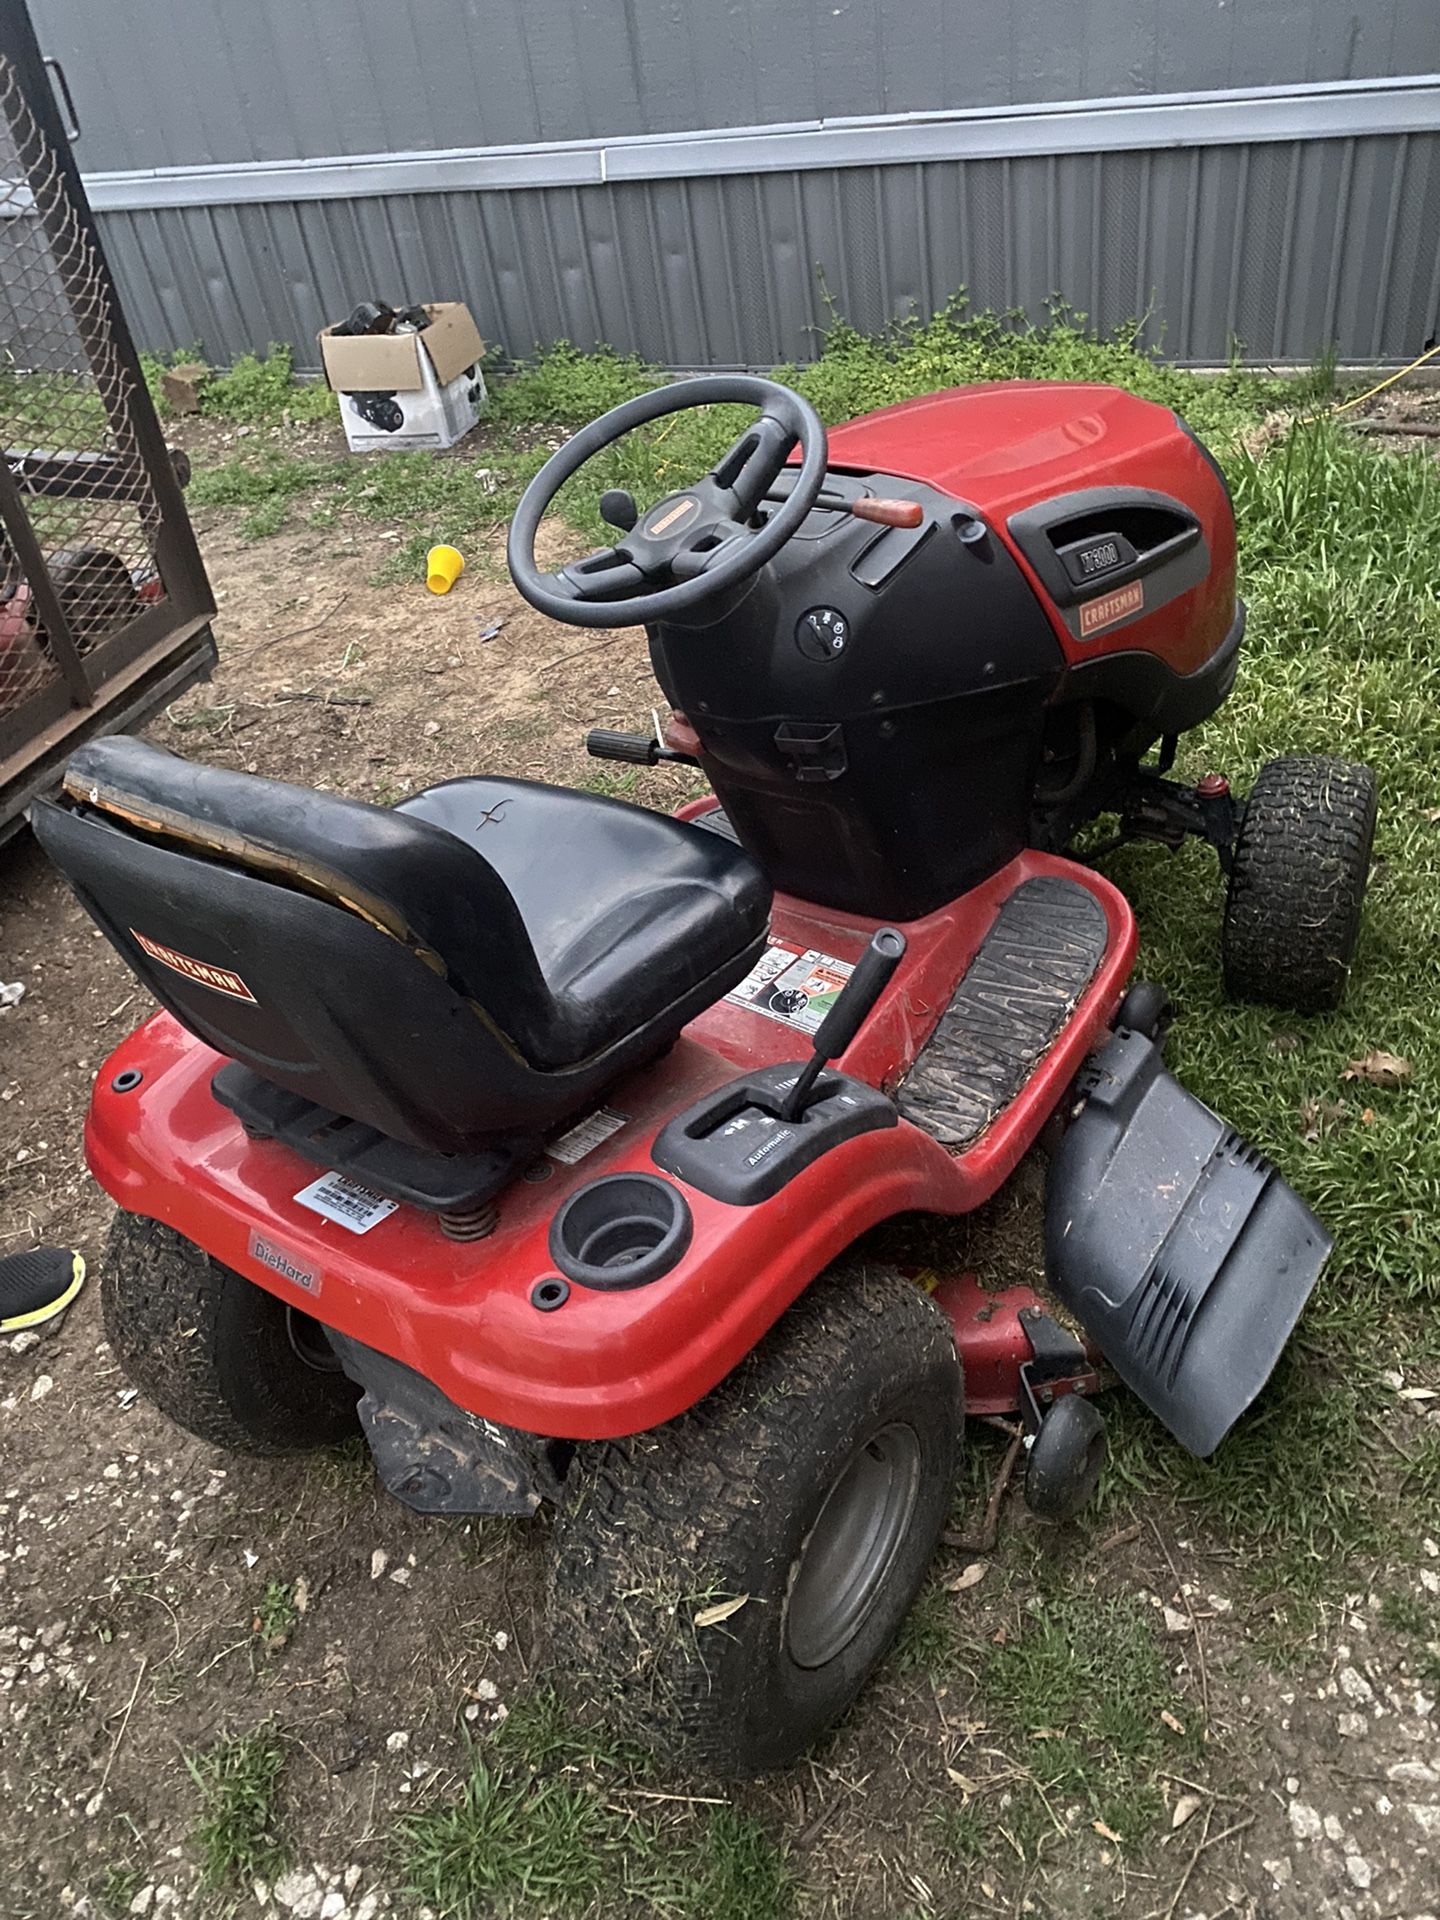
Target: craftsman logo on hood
[(1110, 607), (218, 979)]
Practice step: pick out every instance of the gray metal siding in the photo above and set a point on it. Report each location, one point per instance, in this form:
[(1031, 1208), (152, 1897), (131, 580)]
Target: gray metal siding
[(679, 180), (1287, 246), (158, 84)]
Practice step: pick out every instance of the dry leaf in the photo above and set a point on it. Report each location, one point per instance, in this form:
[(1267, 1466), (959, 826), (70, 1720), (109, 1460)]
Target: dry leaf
[(1107, 1833), (1431, 814), (971, 1576), (999, 1637), (1318, 1116), (712, 1616), (1185, 1806), (1176, 1622), (960, 1780), (1169, 1720), (1379, 1069)]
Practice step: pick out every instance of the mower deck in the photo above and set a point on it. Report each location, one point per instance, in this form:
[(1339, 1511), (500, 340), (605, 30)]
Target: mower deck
[(606, 1363)]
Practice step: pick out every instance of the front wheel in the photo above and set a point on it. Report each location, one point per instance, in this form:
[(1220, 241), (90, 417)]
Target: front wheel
[(723, 1586), (1302, 860), (218, 1355)]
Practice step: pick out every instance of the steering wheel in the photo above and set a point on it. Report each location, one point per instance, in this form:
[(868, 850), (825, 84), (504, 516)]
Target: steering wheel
[(692, 544)]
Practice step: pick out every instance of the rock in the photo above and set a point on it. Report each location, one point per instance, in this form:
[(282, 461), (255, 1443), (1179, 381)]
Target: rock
[(43, 1385), (1358, 1870), (24, 1343), (487, 1690), (397, 1742), (1304, 1821), (1413, 1773), (369, 1906), (301, 1892), (1355, 1686), (1333, 1829), (1279, 1871), (332, 1906), (351, 1879), (141, 1903), (379, 1560), (1352, 1726), (1427, 1818)]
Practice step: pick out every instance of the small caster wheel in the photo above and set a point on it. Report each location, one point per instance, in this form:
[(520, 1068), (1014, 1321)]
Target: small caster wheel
[(1146, 1009), (1066, 1457)]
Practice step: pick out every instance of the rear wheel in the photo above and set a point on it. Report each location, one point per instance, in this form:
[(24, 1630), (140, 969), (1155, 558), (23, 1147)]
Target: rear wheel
[(216, 1354), (723, 1586), (1302, 860)]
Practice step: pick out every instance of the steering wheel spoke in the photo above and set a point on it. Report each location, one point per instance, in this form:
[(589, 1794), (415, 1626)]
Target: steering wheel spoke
[(753, 463), (710, 549), (602, 575)]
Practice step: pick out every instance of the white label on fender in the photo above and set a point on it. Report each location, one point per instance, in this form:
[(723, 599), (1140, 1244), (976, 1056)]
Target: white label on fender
[(346, 1202), (585, 1136)]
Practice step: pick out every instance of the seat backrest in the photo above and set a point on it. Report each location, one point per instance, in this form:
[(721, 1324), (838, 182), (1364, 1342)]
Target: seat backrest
[(370, 962)]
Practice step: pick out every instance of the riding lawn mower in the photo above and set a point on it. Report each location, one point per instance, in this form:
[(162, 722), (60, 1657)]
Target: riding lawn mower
[(533, 1132)]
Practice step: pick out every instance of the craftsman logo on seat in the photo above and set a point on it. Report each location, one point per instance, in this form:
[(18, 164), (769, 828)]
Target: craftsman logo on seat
[(218, 979), (1111, 607)]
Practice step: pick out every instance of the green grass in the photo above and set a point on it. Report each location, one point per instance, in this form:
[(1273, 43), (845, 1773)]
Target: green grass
[(1416, 1619), (1338, 542), (277, 1615), (1070, 1692), (237, 1835), (1083, 1683), (456, 496), (550, 1821)]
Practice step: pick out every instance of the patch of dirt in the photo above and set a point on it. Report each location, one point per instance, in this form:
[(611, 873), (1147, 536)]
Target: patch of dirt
[(134, 1562)]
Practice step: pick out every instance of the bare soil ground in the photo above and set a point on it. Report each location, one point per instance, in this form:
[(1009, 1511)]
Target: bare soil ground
[(135, 1628)]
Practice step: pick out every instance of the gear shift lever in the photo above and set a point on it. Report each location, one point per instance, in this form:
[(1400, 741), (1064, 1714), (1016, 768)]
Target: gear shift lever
[(853, 1005)]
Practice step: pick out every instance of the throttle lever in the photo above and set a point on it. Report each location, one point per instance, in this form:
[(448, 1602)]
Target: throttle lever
[(639, 749)]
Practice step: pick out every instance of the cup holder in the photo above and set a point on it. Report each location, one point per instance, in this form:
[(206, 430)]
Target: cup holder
[(621, 1231)]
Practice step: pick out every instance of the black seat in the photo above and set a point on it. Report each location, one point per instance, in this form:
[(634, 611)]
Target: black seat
[(480, 961)]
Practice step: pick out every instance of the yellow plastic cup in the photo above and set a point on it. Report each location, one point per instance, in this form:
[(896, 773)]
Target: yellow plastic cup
[(443, 567)]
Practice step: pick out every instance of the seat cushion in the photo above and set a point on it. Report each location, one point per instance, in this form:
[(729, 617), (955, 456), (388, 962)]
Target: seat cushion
[(628, 911)]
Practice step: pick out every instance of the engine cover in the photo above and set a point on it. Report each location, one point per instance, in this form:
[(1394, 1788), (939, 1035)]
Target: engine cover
[(870, 708)]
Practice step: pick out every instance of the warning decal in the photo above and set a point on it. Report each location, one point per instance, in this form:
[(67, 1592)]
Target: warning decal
[(572, 1146), (795, 985), (346, 1202)]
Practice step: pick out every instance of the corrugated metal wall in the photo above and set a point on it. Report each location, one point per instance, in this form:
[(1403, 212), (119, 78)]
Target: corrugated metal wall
[(1290, 244)]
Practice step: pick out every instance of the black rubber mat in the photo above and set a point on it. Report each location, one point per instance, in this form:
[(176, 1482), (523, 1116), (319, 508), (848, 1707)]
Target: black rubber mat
[(717, 821), (1016, 995)]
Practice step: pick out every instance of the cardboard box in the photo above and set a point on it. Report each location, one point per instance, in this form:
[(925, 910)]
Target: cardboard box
[(399, 391)]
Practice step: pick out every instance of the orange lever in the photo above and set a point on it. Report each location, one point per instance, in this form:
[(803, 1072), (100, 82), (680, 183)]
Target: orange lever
[(889, 513)]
